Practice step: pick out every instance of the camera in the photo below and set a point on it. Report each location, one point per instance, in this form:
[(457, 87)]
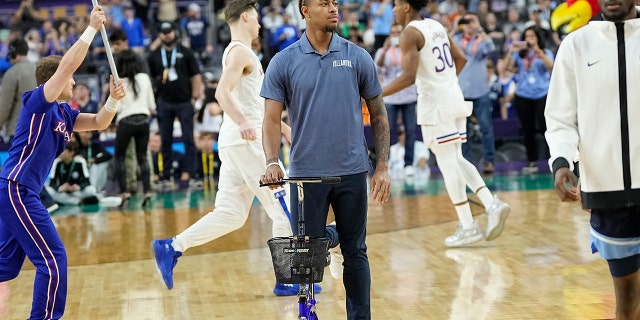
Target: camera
[(463, 21)]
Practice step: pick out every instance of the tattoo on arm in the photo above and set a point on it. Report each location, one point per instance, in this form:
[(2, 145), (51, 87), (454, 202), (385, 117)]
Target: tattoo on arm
[(272, 160), (380, 127)]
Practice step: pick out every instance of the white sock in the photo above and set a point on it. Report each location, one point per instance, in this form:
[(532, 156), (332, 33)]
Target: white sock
[(177, 245), (464, 215), (485, 196)]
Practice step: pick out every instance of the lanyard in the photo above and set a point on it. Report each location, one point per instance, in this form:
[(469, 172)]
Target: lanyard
[(160, 163), (465, 42), (164, 57), (207, 164), (528, 62), (394, 56)]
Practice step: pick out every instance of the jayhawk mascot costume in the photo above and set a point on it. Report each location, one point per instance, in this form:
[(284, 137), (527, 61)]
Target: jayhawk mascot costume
[(573, 14)]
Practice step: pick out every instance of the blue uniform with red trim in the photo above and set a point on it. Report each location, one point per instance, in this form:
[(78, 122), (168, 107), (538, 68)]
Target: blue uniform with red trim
[(26, 229)]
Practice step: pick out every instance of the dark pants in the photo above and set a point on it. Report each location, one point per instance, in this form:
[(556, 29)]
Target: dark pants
[(531, 115), (133, 127), (167, 112), (349, 202), (482, 109), (410, 122)]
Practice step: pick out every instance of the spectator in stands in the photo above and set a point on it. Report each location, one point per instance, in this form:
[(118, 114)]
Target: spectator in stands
[(35, 45), (161, 168), (18, 79), (27, 16), (53, 45), (82, 99), (134, 29), (141, 8), (167, 11), (69, 179), (256, 46), (534, 63), (96, 155), (388, 61), (116, 11), (494, 30), (286, 34), (508, 82), (132, 122), (397, 155), (513, 22), (382, 16), (296, 16), (119, 42), (477, 46), (194, 25), (178, 83), (209, 116), (350, 21)]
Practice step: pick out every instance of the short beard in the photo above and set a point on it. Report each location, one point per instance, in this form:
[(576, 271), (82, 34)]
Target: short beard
[(331, 29), (618, 17), (169, 43)]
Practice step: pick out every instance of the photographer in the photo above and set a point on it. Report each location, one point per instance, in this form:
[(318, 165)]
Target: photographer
[(477, 46), (534, 64)]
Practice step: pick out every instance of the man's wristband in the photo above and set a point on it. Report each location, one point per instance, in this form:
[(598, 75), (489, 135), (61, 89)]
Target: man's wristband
[(273, 164), (111, 105), (88, 34)]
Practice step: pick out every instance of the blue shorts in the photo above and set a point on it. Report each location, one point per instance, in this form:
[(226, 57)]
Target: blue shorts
[(615, 233)]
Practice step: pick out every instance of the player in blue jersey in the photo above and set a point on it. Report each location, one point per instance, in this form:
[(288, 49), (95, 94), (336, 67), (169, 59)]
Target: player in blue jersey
[(44, 127)]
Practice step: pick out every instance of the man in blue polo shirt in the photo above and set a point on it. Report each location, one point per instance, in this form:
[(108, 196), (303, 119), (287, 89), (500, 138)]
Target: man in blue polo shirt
[(321, 79)]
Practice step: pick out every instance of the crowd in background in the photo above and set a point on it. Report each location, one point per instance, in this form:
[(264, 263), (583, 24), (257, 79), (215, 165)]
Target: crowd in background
[(504, 68)]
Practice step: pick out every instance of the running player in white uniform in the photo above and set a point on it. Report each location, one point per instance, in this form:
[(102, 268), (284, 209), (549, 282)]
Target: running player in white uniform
[(241, 153), (432, 61)]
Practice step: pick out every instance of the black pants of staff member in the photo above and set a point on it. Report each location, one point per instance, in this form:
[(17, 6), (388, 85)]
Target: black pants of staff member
[(349, 202), (167, 112), (133, 127), (531, 115)]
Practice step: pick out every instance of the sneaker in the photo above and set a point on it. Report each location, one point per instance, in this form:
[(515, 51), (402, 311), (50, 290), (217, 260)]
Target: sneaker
[(464, 236), (531, 168), (409, 171), (497, 214), (166, 259), (89, 200), (335, 266), (282, 289), (52, 207), (196, 184)]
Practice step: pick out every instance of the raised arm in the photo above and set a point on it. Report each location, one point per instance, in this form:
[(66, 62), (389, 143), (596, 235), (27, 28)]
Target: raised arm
[(238, 63), (73, 58)]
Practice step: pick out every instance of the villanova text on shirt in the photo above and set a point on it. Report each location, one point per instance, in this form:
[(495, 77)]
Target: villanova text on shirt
[(342, 63)]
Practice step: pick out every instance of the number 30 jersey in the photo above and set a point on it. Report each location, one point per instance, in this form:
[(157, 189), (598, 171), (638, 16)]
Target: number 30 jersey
[(440, 98)]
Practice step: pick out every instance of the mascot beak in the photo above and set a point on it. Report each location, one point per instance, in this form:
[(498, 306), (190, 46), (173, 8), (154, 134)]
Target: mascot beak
[(569, 18)]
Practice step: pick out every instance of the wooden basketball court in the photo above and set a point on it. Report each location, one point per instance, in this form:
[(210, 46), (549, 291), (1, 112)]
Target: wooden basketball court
[(540, 268)]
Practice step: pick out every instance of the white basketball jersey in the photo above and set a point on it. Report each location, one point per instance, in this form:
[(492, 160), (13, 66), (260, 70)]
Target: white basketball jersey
[(247, 95), (440, 98)]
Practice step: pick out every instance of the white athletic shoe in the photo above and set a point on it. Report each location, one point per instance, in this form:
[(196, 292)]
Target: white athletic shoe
[(497, 214), (337, 259), (464, 236)]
